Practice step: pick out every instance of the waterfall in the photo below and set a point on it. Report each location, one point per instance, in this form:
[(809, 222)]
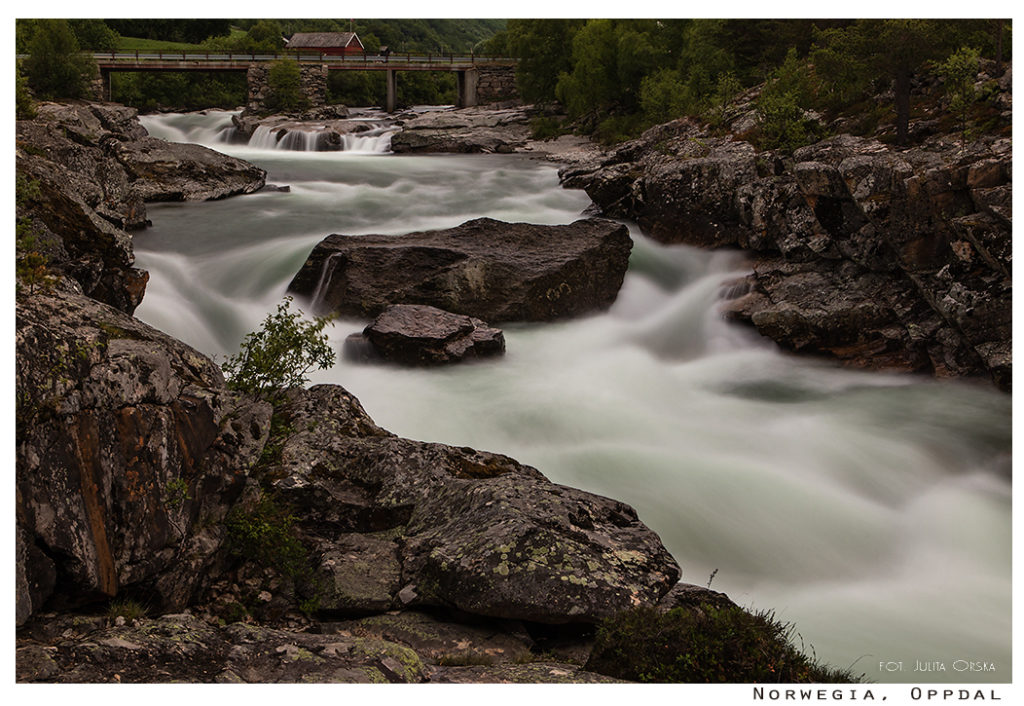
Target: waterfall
[(214, 129), (326, 273)]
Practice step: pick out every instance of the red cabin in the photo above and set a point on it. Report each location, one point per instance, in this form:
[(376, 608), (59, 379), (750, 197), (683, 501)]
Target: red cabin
[(330, 43)]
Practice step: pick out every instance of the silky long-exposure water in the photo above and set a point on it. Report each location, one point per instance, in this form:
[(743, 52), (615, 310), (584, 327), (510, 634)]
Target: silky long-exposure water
[(870, 509)]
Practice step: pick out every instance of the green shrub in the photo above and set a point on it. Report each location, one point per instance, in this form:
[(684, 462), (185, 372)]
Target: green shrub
[(280, 354), (711, 645), (128, 609), (55, 67), (265, 535), (544, 127), (24, 106), (959, 73), (285, 83)]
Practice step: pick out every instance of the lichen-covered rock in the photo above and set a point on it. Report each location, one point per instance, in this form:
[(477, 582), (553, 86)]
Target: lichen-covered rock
[(483, 268), (183, 648), (471, 530), (529, 673), (412, 334), (129, 453)]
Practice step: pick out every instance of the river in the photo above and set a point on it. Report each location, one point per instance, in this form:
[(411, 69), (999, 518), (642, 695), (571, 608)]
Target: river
[(872, 510)]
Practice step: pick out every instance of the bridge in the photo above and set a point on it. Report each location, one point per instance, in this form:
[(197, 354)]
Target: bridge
[(467, 67)]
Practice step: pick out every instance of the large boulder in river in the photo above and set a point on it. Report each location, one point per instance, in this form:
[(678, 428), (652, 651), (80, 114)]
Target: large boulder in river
[(171, 171), (483, 268), (414, 334), (129, 453), (404, 523)]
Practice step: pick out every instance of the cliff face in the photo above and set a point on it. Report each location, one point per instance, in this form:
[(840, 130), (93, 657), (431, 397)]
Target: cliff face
[(882, 257)]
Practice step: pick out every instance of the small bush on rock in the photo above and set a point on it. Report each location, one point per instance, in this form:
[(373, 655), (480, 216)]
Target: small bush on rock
[(711, 645), (265, 535), (280, 354)]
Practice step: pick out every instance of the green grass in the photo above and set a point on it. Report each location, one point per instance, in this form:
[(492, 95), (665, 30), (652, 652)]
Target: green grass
[(149, 45), (710, 645), (133, 44)]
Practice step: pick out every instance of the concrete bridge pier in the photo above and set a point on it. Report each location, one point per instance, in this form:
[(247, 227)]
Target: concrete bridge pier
[(392, 90), (465, 88)]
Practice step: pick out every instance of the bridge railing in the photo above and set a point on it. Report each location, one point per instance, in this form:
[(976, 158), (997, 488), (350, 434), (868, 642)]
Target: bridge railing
[(360, 58)]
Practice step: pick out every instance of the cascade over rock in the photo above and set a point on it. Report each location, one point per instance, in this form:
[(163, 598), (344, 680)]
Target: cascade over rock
[(483, 268), (884, 258)]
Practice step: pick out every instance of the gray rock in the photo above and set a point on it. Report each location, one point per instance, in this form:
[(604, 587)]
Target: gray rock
[(464, 130), (473, 530), (413, 334), (883, 258), (169, 171), (113, 417), (483, 268)]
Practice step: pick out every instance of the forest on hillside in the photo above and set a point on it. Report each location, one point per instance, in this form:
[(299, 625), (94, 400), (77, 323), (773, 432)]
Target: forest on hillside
[(610, 78)]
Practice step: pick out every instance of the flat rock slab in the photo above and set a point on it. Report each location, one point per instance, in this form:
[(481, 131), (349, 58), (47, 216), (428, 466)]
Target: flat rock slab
[(415, 334), (483, 268), (439, 641)]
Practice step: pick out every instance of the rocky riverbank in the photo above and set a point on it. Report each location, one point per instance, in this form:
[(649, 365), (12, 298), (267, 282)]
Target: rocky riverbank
[(85, 171), (880, 256), (300, 542)]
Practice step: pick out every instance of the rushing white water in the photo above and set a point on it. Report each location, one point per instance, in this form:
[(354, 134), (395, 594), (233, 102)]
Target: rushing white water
[(213, 128), (870, 509)]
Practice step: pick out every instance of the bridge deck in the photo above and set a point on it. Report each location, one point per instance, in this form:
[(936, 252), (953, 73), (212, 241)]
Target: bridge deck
[(165, 61)]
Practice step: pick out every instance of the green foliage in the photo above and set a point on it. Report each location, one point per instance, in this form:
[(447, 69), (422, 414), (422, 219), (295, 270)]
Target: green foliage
[(266, 535), (959, 72), (126, 608), (362, 88), (280, 354), (664, 96), (726, 89), (31, 263), (781, 106), (781, 121), (171, 30), (150, 90), (544, 49), (544, 127), (176, 493), (264, 36), (710, 645), (56, 68), (284, 82), (94, 35), (24, 106)]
